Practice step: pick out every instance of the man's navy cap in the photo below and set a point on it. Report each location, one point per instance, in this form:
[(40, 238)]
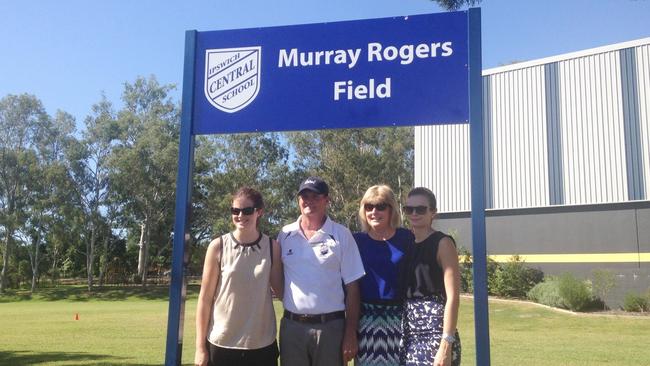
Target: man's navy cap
[(314, 184)]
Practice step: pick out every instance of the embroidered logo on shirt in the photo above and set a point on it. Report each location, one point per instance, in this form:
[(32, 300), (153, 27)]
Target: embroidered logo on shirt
[(290, 252), (324, 249)]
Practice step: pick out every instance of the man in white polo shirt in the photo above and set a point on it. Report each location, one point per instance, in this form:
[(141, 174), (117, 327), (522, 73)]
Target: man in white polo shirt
[(321, 294)]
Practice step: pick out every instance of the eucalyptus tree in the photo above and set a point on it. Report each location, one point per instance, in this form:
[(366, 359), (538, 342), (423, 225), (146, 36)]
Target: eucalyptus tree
[(22, 123), (143, 163), (89, 168), (48, 186), (456, 4), (224, 163)]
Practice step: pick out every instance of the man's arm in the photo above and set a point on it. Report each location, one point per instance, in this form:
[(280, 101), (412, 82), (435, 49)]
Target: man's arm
[(350, 345)]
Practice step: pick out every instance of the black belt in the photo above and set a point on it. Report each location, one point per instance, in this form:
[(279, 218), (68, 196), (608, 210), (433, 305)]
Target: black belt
[(314, 318)]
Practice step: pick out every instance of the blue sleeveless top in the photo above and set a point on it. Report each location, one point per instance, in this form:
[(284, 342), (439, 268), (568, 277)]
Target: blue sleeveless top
[(381, 261)]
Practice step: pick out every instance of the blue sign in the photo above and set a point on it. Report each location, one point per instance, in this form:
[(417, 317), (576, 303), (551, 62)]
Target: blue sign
[(416, 70), (370, 73)]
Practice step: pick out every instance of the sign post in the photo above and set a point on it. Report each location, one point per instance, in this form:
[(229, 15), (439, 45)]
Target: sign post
[(403, 71)]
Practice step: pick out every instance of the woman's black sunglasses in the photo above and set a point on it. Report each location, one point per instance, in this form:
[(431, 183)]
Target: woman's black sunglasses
[(380, 206), (420, 210), (246, 210)]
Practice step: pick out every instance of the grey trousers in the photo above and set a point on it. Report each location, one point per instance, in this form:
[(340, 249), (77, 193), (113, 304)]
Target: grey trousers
[(304, 344)]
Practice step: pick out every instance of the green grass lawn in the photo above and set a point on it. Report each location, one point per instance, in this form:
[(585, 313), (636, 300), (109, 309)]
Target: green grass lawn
[(128, 327)]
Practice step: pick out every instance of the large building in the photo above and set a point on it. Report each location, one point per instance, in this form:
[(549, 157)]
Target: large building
[(567, 159)]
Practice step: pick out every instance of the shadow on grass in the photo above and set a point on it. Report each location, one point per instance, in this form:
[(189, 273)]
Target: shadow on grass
[(13, 296), (108, 293), (72, 358)]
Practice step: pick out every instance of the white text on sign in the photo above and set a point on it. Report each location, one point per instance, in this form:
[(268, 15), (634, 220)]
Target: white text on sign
[(350, 91)]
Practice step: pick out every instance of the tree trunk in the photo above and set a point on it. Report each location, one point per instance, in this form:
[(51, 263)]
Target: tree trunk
[(35, 269), (90, 255), (141, 254), (34, 262), (5, 260), (146, 251), (55, 259), (103, 261), (399, 196)]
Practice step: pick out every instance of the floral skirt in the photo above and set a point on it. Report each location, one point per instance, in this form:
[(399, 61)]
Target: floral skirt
[(422, 332), (379, 335)]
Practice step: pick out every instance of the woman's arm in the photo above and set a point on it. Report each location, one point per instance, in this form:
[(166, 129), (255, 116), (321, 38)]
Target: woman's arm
[(448, 260), (209, 280), (277, 274)]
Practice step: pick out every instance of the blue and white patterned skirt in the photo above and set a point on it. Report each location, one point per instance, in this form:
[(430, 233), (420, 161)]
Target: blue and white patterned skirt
[(379, 335), (422, 332)]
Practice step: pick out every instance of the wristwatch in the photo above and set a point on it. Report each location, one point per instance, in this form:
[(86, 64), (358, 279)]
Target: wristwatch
[(449, 338)]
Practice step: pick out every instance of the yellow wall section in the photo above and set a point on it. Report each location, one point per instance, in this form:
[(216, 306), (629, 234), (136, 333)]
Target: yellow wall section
[(576, 258)]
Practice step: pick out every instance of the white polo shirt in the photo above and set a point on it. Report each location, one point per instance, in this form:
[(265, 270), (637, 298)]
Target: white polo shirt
[(316, 269)]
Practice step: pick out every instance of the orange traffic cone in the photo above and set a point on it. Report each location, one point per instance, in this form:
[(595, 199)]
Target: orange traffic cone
[(76, 316)]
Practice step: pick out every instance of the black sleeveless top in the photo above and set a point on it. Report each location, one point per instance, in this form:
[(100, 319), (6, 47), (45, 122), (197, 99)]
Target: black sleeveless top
[(421, 275)]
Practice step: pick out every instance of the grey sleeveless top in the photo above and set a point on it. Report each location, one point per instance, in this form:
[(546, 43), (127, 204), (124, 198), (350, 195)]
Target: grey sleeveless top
[(243, 315)]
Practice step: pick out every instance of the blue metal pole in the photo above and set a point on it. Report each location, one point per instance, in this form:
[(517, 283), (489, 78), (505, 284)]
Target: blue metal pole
[(481, 321), (178, 286)]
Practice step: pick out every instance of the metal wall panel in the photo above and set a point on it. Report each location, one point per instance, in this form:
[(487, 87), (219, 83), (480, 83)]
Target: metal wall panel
[(631, 124), (566, 130), (442, 164), (643, 87), (592, 129), (519, 166)]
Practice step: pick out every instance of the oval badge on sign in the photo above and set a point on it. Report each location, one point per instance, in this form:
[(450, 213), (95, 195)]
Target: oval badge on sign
[(232, 77)]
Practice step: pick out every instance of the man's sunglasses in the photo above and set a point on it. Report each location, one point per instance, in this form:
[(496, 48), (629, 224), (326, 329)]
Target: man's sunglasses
[(246, 210), (420, 210), (380, 206)]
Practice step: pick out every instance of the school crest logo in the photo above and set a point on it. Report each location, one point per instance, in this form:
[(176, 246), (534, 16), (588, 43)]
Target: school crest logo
[(232, 77)]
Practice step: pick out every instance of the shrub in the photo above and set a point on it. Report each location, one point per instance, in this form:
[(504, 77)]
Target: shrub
[(635, 302), (547, 293), (467, 274), (514, 278), (465, 264), (575, 294), (603, 281)]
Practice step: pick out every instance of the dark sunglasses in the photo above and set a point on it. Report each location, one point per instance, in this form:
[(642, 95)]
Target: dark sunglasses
[(420, 210), (246, 210), (380, 206)]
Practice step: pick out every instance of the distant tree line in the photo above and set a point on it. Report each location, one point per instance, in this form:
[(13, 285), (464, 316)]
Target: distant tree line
[(98, 203)]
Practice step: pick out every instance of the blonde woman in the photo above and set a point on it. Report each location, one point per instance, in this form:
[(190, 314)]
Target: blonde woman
[(382, 245), (432, 284), (235, 321)]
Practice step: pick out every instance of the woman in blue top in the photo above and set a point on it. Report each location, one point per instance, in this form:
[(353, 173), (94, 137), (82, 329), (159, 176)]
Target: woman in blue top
[(382, 245)]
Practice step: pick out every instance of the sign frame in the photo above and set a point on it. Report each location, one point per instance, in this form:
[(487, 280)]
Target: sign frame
[(180, 257)]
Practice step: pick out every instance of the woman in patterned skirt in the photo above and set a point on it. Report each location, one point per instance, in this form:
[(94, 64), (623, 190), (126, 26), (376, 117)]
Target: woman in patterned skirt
[(431, 281), (382, 245)]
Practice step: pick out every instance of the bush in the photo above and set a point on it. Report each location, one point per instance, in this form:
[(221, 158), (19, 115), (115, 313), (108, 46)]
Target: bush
[(603, 281), (547, 293), (575, 294), (514, 278), (635, 302), (467, 274), (465, 264)]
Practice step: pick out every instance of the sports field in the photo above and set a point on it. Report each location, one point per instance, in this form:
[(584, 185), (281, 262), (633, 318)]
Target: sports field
[(128, 327)]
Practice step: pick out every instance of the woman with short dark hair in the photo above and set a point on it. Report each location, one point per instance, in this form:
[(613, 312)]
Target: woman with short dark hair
[(431, 284)]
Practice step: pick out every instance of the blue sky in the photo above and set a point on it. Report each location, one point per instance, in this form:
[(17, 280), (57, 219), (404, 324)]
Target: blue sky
[(68, 52)]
